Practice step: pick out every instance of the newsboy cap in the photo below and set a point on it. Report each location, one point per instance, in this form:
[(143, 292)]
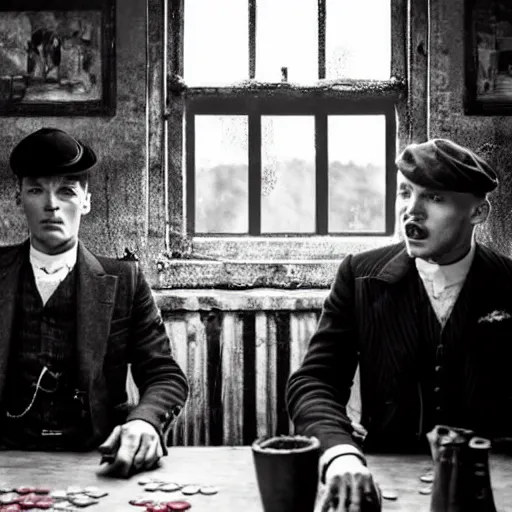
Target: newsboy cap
[(50, 152), (444, 165)]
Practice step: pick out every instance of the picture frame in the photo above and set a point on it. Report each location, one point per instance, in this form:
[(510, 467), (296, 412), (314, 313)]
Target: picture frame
[(488, 57), (57, 58)]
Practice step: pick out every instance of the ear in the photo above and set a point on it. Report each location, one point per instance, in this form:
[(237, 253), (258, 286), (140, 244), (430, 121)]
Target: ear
[(86, 204), (480, 212)]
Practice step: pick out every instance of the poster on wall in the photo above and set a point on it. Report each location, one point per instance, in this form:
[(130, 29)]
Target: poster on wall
[(488, 57), (57, 57)]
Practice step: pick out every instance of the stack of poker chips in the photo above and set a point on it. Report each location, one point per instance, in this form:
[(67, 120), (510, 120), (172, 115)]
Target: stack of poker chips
[(69, 500)]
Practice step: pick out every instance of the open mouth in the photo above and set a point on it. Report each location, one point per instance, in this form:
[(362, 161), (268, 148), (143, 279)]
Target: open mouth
[(415, 231)]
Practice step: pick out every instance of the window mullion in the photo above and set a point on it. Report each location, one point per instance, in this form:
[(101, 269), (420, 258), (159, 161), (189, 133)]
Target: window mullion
[(321, 38), (252, 39), (322, 174), (254, 174), (190, 138)]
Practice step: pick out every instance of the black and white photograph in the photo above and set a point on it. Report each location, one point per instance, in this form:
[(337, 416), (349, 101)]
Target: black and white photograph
[(256, 255)]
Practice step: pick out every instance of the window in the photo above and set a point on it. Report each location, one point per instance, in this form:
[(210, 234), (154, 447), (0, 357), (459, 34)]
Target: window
[(289, 125)]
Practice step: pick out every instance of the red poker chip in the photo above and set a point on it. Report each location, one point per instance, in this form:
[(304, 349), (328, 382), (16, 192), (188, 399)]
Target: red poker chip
[(26, 504), (178, 505), (44, 503), (42, 490), (11, 508), (157, 508), (25, 490)]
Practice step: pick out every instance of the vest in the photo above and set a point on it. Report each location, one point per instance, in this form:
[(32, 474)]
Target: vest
[(56, 417)]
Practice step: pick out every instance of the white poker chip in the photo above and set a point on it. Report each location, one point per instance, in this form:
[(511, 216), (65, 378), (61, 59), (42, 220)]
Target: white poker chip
[(74, 489), (169, 487), (389, 494), (59, 494), (208, 490), (152, 486), (189, 490)]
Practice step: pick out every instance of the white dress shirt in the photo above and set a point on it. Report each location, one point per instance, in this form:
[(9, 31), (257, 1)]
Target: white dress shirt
[(443, 283), (51, 269)]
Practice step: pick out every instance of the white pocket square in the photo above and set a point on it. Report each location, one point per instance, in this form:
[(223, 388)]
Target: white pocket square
[(495, 316)]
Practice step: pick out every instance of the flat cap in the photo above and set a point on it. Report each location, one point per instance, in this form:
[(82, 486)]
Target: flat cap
[(444, 165), (50, 152)]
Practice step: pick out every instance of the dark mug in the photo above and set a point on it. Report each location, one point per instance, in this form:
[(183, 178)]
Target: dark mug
[(287, 472)]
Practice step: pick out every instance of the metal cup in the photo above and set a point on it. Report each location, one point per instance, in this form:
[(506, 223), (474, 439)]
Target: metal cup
[(287, 472)]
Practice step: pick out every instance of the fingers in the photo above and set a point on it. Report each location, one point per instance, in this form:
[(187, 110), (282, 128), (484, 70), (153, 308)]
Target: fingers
[(111, 444), (350, 493), (138, 448)]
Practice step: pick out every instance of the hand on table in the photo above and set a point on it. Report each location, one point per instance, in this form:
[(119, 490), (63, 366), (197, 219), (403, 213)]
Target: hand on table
[(132, 447), (349, 487)]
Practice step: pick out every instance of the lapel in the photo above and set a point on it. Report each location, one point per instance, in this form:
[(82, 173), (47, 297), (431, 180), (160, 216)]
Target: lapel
[(393, 292), (95, 302), (10, 266)]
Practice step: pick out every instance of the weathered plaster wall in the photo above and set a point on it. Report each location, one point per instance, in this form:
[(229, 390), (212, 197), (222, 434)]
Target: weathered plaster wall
[(491, 136), (119, 185)]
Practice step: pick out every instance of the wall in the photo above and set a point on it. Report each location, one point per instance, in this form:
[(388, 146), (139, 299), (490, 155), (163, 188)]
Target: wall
[(447, 118), (119, 185)]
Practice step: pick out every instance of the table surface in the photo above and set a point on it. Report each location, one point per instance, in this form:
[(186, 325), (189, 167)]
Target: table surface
[(228, 468)]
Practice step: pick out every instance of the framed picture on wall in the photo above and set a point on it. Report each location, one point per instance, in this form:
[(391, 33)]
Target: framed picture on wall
[(488, 47), (57, 57)]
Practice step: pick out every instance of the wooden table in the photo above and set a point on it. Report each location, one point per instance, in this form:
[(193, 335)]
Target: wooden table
[(229, 469)]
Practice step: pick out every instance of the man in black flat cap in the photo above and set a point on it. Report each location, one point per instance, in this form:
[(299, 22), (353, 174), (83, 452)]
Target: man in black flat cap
[(71, 322), (428, 320)]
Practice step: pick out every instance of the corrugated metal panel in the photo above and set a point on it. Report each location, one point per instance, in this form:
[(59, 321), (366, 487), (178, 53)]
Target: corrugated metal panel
[(237, 364)]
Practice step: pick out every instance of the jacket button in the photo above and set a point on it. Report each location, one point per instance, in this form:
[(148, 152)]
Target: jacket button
[(438, 368), (437, 389), (438, 409)]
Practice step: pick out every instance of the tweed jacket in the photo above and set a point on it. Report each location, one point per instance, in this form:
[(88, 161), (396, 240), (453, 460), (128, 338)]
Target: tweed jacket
[(377, 316), (118, 323)]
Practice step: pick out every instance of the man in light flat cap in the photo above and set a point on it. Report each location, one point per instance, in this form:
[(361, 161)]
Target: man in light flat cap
[(428, 320), (71, 322)]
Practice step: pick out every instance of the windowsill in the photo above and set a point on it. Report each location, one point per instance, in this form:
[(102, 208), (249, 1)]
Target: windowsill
[(249, 262), (262, 299)]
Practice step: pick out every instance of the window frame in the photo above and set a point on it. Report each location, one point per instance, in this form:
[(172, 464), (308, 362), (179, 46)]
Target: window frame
[(182, 101)]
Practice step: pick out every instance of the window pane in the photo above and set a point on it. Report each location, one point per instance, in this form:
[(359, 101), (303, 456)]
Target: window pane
[(221, 164), (216, 42), (288, 174), (358, 39), (357, 173), (287, 36)]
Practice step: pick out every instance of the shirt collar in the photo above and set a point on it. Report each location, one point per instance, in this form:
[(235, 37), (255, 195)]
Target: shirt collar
[(53, 262), (443, 276)]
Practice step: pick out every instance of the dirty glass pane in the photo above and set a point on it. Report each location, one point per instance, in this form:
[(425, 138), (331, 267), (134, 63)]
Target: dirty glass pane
[(287, 36), (357, 173), (221, 174), (287, 174), (358, 39), (216, 46)]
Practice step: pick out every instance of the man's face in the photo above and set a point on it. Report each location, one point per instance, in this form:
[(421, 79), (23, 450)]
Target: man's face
[(53, 207), (437, 225)]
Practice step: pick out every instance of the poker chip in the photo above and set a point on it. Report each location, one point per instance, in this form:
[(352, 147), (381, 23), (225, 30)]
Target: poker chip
[(73, 489), (189, 490), (44, 503), (25, 490), (58, 494), (427, 477), (11, 508), (208, 490), (42, 490), (158, 507), (152, 486), (95, 492), (141, 502), (9, 498), (178, 505), (5, 490), (426, 489), (169, 487), (82, 500), (389, 494)]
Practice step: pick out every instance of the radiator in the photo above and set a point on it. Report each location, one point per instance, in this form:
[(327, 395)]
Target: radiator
[(237, 364)]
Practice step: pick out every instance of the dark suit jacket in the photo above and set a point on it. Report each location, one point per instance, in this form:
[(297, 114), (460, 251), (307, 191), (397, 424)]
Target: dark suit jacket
[(372, 317), (117, 323)]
